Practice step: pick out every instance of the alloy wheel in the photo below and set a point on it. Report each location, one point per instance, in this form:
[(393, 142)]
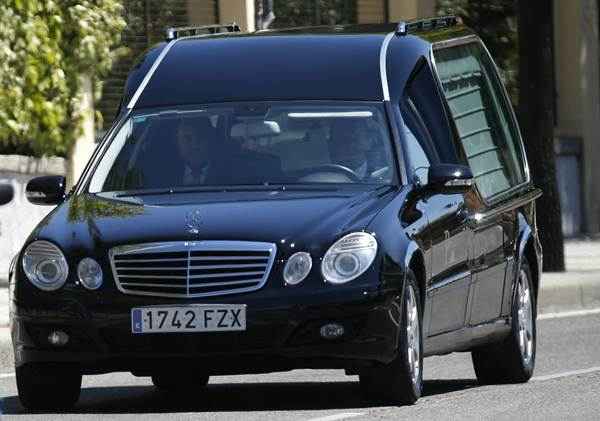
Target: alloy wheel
[(525, 318), (413, 333)]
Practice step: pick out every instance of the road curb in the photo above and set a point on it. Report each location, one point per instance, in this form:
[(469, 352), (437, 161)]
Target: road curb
[(569, 291)]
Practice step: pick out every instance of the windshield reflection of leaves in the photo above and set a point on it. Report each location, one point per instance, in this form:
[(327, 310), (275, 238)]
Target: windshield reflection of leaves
[(86, 208)]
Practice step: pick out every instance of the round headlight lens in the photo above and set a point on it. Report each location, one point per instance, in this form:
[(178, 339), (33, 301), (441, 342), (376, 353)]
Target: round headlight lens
[(297, 268), (346, 264), (349, 257), (45, 265), (89, 273)]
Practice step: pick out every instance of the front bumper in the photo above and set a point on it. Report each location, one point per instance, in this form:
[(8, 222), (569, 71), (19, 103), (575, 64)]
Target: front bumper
[(280, 334)]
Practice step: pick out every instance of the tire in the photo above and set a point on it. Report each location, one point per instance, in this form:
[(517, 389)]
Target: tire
[(178, 382), (513, 360), (48, 386), (401, 381)]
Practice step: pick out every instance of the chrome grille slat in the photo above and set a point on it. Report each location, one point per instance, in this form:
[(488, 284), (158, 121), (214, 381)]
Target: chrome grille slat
[(214, 284), (225, 275), (201, 284), (192, 269), (151, 260), (211, 258), (211, 284), (152, 276), (152, 285), (227, 266), (147, 269)]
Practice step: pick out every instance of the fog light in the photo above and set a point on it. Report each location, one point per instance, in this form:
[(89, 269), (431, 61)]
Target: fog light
[(90, 273), (58, 338), (332, 331)]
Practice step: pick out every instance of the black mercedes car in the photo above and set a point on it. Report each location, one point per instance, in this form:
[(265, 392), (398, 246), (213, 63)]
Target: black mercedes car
[(347, 197)]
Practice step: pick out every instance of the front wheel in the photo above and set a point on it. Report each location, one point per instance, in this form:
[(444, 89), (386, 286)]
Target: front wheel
[(401, 381), (48, 386), (513, 360)]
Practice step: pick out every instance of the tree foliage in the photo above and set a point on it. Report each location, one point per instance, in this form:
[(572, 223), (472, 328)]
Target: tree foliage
[(146, 23), (150, 18), (496, 23), (45, 47), (290, 13)]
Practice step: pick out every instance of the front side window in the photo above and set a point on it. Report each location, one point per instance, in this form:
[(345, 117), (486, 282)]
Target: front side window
[(483, 119), (423, 111), (417, 140), (248, 144)]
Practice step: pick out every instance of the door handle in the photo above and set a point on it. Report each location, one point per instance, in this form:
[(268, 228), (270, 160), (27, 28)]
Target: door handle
[(464, 213)]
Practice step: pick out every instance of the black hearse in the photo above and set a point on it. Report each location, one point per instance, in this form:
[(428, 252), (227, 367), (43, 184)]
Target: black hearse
[(352, 197)]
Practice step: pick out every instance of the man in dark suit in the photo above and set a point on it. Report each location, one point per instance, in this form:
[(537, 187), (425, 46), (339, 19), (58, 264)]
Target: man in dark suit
[(195, 139)]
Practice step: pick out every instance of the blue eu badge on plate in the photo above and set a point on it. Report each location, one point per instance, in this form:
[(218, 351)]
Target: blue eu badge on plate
[(136, 320)]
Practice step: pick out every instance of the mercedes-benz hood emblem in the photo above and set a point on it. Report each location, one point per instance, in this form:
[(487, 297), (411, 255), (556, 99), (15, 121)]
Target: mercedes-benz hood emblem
[(193, 222)]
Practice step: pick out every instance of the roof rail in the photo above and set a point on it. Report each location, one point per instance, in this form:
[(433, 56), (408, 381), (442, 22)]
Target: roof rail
[(404, 28), (174, 33)]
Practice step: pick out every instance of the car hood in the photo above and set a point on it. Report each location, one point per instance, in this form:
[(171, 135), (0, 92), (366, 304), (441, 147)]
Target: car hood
[(298, 219)]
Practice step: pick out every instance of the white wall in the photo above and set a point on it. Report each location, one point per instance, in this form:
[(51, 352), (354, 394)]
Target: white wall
[(238, 11), (411, 9), (85, 144), (19, 217)]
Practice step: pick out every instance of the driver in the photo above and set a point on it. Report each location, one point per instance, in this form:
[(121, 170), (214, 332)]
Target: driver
[(349, 145), (194, 139)]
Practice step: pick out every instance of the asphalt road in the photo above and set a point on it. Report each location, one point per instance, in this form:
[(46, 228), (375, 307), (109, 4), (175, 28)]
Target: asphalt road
[(566, 386)]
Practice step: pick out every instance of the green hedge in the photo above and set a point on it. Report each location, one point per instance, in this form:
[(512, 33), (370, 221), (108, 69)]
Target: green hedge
[(45, 46)]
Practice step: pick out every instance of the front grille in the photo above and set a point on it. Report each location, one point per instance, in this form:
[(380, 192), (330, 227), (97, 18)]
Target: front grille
[(192, 269)]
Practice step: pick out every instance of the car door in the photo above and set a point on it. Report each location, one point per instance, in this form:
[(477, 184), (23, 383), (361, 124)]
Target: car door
[(450, 276), (489, 137), (427, 140)]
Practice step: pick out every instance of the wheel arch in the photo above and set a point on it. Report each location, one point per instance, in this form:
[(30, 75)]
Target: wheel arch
[(415, 260), (530, 254), (529, 248)]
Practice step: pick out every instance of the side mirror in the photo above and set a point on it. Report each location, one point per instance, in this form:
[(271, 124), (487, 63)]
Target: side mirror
[(6, 193), (450, 177), (47, 190)]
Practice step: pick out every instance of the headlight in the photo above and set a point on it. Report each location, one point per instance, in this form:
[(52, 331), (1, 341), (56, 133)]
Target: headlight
[(349, 257), (45, 265), (89, 273), (297, 268)]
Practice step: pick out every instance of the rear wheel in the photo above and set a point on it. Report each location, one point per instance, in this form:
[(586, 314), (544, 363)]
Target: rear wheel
[(513, 360), (401, 381), (48, 386), (178, 382)]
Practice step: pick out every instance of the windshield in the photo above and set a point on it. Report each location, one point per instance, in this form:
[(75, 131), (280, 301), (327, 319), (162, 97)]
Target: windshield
[(248, 144)]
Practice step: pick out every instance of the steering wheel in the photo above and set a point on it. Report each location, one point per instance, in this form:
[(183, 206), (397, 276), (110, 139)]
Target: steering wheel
[(331, 168)]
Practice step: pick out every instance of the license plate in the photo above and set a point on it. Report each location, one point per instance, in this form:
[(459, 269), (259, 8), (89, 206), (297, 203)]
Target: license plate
[(190, 318)]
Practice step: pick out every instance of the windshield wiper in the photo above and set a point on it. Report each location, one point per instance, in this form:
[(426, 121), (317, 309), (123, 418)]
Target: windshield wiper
[(224, 189), (158, 192)]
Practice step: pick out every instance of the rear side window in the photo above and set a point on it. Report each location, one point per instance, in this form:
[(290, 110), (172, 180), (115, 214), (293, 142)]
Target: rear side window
[(482, 116)]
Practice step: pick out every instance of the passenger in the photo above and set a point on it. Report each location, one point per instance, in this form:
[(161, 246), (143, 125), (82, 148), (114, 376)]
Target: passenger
[(350, 144), (194, 141), (251, 157)]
